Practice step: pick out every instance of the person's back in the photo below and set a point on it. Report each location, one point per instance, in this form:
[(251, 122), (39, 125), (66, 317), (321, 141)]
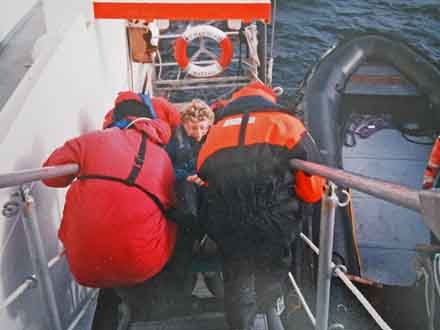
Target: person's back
[(248, 174), (113, 228), (252, 200)]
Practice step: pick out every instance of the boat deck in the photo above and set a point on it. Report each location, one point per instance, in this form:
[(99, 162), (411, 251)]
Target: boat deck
[(207, 321), (207, 314)]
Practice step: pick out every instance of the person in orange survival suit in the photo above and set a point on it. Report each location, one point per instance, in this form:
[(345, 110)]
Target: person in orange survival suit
[(433, 167), (252, 201)]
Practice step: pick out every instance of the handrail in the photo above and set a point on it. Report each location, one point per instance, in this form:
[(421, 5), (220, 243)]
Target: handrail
[(344, 278), (423, 201), (38, 258), (34, 241), (28, 283), (83, 310), (20, 177), (388, 191)]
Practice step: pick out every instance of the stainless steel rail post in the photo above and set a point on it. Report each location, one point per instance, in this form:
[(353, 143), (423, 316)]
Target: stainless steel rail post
[(39, 259), (329, 203)]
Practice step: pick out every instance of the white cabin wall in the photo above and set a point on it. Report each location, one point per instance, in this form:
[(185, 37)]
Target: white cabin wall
[(12, 13), (59, 14), (112, 44), (110, 37), (77, 70)]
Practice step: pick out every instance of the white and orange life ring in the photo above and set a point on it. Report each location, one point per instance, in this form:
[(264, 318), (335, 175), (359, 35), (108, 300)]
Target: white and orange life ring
[(204, 31)]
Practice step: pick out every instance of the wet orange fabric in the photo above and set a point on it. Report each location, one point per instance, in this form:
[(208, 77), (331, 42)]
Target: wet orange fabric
[(433, 166), (264, 127), (275, 128), (272, 128), (309, 188)]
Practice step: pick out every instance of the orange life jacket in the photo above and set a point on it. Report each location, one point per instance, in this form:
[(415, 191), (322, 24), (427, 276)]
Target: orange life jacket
[(433, 166), (252, 120)]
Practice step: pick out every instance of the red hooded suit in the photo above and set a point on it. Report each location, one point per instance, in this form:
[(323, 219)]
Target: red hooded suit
[(114, 232)]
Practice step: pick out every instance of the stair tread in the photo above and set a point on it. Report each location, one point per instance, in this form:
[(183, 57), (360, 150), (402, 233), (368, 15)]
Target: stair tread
[(205, 321)]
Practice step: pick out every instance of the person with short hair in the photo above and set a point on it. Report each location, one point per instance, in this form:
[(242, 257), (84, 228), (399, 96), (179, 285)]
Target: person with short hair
[(196, 118)]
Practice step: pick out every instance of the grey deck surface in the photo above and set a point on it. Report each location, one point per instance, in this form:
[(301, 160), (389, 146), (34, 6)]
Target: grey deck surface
[(207, 321), (387, 234), (15, 54)]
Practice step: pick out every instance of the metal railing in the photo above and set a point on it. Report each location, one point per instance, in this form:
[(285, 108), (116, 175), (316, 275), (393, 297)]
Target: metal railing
[(27, 176), (424, 202), (24, 207), (427, 203)]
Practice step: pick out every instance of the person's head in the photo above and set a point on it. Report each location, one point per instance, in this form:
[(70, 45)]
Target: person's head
[(196, 118), (256, 88), (128, 106)]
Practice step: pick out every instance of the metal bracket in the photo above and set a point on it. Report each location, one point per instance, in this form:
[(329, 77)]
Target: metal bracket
[(11, 209), (341, 267), (34, 281), (347, 198), (13, 206), (280, 305), (336, 326)]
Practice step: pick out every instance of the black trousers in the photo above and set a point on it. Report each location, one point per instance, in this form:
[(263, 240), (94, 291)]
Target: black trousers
[(251, 284), (164, 294)]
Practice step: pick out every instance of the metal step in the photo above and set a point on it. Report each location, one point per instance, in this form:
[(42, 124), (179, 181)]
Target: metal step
[(206, 321)]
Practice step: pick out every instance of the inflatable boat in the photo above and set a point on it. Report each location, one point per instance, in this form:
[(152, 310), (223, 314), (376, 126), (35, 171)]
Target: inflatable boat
[(372, 104)]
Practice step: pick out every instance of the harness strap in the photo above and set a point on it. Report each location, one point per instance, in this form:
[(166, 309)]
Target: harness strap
[(153, 197), (130, 180), (138, 161), (243, 126)]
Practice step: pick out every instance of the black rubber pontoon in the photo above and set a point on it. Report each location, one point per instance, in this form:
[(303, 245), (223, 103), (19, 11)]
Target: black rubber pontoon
[(323, 93)]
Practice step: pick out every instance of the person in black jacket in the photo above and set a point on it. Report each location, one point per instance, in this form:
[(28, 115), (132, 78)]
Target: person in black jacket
[(183, 148), (196, 119), (253, 200)]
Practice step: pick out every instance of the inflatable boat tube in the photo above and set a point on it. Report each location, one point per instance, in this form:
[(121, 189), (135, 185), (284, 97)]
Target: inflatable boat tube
[(322, 103)]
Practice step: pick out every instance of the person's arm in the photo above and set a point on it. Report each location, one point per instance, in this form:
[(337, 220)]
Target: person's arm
[(67, 154), (308, 188)]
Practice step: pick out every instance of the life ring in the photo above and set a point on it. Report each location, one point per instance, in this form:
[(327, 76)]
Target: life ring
[(205, 31)]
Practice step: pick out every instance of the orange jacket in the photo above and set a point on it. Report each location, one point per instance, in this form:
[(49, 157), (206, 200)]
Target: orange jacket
[(251, 201), (432, 169), (267, 124)]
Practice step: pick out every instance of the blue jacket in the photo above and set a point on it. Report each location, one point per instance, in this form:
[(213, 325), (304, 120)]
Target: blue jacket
[(183, 151)]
